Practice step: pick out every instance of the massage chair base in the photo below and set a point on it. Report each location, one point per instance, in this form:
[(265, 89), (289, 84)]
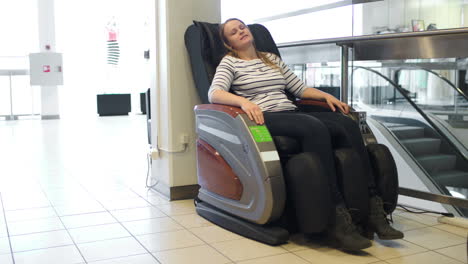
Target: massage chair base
[(271, 235)]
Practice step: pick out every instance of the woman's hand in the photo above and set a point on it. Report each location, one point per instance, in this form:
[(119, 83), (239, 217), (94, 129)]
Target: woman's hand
[(335, 103), (253, 111)]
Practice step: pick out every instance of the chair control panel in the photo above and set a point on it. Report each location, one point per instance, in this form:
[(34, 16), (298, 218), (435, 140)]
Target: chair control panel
[(367, 135)]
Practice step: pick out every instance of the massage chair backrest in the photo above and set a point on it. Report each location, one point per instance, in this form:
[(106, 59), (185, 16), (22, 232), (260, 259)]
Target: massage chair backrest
[(206, 51)]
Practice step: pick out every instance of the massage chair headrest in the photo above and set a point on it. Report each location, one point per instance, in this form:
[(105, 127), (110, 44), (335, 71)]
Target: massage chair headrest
[(206, 51)]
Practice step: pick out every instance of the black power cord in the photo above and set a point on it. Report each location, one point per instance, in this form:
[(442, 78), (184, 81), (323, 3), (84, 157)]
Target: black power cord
[(425, 211)]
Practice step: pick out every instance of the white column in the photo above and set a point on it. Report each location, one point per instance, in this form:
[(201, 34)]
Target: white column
[(173, 91), (46, 24)]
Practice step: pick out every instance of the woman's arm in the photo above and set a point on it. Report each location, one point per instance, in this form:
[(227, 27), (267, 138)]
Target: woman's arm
[(312, 93), (223, 97), (219, 92), (252, 110), (297, 87)]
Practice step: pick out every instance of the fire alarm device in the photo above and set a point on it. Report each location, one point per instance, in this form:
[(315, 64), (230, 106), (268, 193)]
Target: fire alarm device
[(46, 68)]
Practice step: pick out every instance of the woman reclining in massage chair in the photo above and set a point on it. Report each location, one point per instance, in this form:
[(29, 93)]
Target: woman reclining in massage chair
[(259, 81)]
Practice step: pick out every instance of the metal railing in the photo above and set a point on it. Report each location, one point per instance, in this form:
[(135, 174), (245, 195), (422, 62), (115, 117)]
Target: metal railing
[(389, 36), (10, 74)]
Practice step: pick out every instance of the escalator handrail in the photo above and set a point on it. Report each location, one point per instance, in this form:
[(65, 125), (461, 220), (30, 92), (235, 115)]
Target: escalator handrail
[(451, 84), (460, 91), (416, 107), (454, 136)]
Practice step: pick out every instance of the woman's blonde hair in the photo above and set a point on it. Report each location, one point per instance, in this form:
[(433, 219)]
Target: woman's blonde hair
[(232, 52)]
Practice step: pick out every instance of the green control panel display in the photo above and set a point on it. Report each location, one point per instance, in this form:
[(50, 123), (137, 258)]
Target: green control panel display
[(260, 133)]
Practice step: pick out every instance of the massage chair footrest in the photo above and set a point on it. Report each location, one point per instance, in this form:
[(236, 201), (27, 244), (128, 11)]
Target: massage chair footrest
[(271, 235)]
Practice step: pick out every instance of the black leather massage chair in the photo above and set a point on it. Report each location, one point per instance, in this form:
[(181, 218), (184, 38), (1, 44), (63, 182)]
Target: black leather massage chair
[(243, 171)]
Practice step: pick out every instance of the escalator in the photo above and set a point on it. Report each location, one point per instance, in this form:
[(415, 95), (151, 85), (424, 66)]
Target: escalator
[(436, 146), (431, 151), (444, 165)]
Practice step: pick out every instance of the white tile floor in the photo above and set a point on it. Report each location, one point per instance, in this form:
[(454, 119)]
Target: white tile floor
[(72, 191)]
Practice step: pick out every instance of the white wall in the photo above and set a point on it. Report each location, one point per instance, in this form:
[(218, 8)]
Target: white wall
[(174, 91)]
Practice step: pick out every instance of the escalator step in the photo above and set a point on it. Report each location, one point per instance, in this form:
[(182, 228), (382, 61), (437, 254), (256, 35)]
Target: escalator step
[(452, 178), (422, 146), (438, 162), (404, 132)]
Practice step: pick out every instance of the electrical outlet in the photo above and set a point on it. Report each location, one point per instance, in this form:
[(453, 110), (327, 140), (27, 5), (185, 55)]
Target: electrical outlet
[(184, 138), (154, 154)]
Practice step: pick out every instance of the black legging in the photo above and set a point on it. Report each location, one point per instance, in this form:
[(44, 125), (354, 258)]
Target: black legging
[(321, 132)]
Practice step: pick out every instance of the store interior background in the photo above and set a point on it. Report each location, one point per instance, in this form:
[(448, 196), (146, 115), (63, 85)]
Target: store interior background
[(83, 159), (81, 37)]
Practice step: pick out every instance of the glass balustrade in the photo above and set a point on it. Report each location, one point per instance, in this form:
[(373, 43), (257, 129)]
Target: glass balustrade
[(421, 103), (425, 111)]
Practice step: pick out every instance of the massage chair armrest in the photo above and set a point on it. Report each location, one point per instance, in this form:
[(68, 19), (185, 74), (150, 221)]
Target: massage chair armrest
[(319, 105), (306, 104), (228, 109), (311, 105)]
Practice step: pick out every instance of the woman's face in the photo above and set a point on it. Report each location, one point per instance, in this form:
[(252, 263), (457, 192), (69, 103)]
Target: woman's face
[(238, 35)]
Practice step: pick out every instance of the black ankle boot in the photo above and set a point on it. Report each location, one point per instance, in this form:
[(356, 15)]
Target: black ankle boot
[(344, 234), (379, 223)]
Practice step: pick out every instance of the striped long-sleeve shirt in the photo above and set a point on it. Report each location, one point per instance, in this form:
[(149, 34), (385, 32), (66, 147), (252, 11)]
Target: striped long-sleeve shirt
[(258, 82)]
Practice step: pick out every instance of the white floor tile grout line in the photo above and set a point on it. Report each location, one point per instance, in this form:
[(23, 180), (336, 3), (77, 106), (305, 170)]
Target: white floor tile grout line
[(43, 248), (288, 252), (211, 246), (6, 227), (425, 252), (40, 232), (460, 235), (418, 221), (132, 235), (273, 255), (424, 226), (133, 255), (403, 216), (294, 253), (448, 255), (65, 228)]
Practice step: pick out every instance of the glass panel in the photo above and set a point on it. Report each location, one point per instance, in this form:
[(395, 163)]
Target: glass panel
[(331, 23), (323, 77), (24, 100), (392, 16), (435, 92), (4, 95), (427, 116), (249, 11), (14, 63), (299, 21)]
